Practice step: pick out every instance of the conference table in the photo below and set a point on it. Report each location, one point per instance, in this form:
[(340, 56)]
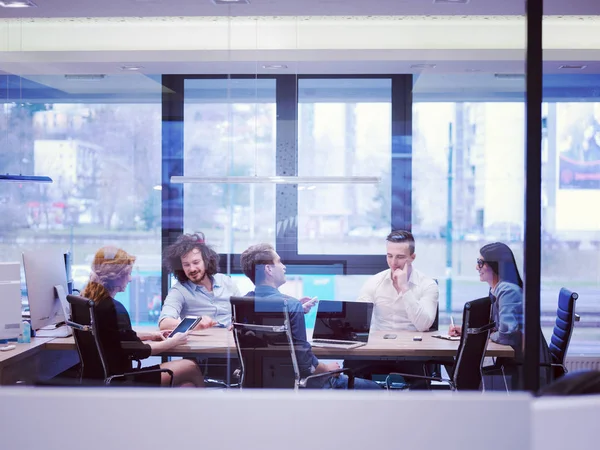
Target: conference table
[(219, 343)]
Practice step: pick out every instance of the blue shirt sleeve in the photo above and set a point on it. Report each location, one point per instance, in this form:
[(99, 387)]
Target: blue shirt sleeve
[(307, 361), (173, 305), (509, 317)]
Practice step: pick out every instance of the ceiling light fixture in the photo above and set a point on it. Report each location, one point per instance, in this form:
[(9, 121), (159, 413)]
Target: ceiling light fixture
[(276, 180), (509, 76), (422, 66), (231, 2), (158, 187), (573, 66), (17, 4), (460, 2), (131, 68), (96, 77), (274, 66), (25, 178)]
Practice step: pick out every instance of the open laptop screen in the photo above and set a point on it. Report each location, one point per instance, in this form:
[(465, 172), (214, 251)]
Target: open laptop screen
[(347, 321)]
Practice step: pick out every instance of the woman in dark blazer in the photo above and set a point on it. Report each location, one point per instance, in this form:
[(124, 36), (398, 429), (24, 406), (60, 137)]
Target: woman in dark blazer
[(497, 267), (111, 273)]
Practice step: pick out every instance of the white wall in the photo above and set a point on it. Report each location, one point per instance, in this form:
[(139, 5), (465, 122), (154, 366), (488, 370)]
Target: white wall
[(103, 419), (565, 423)]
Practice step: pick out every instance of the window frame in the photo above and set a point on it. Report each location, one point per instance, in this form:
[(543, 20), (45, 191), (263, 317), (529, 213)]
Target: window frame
[(286, 203)]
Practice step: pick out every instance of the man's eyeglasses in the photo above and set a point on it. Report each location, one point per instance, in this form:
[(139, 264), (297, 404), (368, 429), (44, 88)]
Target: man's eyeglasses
[(480, 263)]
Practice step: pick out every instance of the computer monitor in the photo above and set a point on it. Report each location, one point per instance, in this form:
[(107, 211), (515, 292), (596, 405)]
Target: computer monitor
[(44, 269)]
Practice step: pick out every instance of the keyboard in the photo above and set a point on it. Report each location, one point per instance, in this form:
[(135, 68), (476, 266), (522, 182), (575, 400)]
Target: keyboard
[(332, 343), (62, 331)]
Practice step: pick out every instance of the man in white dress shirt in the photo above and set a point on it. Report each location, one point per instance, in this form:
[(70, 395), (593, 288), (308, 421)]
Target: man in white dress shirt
[(403, 297)]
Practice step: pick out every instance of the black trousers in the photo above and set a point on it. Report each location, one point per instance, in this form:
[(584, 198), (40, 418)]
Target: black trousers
[(370, 369)]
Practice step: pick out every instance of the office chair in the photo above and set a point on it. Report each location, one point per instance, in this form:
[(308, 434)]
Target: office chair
[(563, 329), (552, 357), (466, 372), (268, 333), (586, 382), (98, 368)]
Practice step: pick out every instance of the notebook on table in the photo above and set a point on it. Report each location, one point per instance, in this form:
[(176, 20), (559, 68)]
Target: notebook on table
[(341, 324), (446, 337)]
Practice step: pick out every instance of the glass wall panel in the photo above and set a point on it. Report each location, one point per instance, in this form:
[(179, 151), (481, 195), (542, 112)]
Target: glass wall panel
[(344, 129), (229, 130), (103, 153)]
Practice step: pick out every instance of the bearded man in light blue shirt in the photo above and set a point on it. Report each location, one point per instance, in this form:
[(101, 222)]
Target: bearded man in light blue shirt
[(200, 291)]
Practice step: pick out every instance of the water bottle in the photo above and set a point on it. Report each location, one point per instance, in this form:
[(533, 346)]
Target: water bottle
[(25, 335)]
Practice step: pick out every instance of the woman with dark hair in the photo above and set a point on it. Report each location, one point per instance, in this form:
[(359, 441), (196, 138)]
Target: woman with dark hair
[(497, 267), (111, 273), (200, 290)]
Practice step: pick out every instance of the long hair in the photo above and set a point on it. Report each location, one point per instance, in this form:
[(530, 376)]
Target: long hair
[(181, 247), (501, 259), (111, 267)]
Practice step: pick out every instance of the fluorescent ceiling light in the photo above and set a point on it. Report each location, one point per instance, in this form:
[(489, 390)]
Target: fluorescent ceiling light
[(573, 66), (509, 76), (85, 77), (131, 68), (158, 187), (274, 66), (276, 180), (422, 66), (25, 178), (17, 4), (462, 2), (231, 2)]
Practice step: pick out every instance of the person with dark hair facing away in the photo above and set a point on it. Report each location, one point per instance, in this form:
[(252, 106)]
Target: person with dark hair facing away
[(111, 273), (200, 290), (497, 267), (263, 266), (403, 297)]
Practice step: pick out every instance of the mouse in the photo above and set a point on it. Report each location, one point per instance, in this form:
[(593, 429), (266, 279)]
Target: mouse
[(7, 348), (417, 338)]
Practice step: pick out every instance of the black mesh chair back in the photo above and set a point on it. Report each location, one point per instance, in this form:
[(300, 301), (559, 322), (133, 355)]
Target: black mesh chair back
[(466, 374), (261, 328), (83, 323), (98, 367), (435, 325), (563, 329)]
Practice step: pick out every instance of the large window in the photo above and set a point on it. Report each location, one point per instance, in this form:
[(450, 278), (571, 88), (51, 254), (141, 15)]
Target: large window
[(486, 175), (229, 130), (344, 129), (104, 158)]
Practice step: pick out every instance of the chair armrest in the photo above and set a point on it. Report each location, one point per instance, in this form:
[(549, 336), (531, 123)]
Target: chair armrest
[(267, 328), (129, 374), (221, 383), (421, 377), (303, 381), (78, 326)]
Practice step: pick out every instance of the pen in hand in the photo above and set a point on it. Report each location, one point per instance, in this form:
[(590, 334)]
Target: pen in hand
[(451, 321)]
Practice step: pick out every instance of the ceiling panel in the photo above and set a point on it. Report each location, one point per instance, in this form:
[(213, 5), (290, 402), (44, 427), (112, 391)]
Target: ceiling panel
[(155, 8)]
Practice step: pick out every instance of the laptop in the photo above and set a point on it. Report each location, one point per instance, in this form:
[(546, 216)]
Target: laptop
[(341, 324)]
